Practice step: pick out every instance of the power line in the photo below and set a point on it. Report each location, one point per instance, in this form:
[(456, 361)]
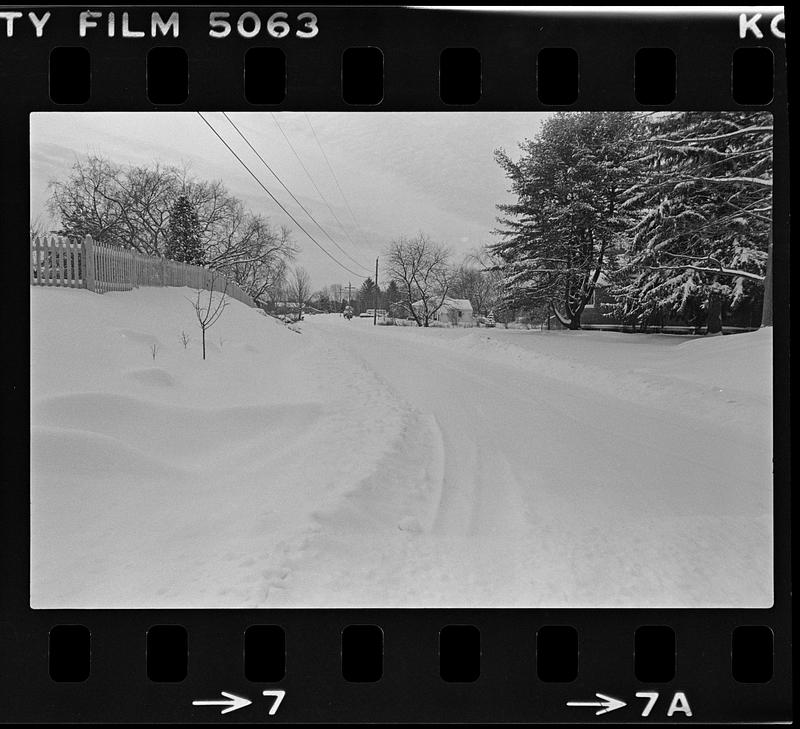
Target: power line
[(333, 174), (311, 179), (277, 202), (303, 207)]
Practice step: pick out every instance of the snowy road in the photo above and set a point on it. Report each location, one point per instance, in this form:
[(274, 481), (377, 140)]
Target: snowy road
[(356, 466), (548, 492)]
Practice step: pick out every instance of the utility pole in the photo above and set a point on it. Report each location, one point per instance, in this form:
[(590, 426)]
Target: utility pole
[(375, 310)]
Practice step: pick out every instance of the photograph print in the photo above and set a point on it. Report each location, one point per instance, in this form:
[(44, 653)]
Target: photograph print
[(422, 360)]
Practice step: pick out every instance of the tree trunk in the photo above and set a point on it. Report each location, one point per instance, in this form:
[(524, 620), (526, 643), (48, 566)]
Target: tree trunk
[(204, 343), (714, 312), (577, 312), (414, 312), (575, 317), (766, 311)]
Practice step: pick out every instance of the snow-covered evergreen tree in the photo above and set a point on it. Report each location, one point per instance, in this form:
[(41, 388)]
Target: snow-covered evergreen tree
[(366, 294), (183, 236), (559, 236), (323, 302), (392, 296), (704, 200)]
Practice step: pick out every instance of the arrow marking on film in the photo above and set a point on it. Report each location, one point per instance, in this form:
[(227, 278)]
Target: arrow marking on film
[(234, 702), (606, 704), (278, 694)]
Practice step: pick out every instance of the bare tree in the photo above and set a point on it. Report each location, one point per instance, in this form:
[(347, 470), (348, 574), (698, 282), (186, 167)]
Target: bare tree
[(185, 338), (89, 200), (37, 227), (131, 206), (251, 252), (478, 279), (209, 309), (421, 269), (300, 288)]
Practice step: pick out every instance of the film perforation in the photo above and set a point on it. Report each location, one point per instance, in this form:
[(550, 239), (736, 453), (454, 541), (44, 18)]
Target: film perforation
[(265, 75), (69, 653), (557, 650), (752, 653), (167, 653), (460, 653), (460, 76), (167, 75), (752, 75), (655, 76), (362, 653), (655, 652), (70, 75), (265, 653), (362, 76), (558, 76), (557, 653)]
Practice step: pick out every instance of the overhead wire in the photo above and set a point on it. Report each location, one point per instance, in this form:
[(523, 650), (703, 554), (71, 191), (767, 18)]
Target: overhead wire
[(333, 173), (278, 202), (311, 179), (292, 195)]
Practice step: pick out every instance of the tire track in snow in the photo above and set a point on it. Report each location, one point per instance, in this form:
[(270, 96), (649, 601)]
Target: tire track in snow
[(566, 477), (360, 543), (377, 436)]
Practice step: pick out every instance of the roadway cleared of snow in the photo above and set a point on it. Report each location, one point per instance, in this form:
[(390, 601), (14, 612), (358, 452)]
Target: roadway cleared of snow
[(353, 465)]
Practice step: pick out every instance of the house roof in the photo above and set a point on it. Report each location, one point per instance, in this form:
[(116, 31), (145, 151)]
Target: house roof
[(463, 304), (448, 303), (602, 279)]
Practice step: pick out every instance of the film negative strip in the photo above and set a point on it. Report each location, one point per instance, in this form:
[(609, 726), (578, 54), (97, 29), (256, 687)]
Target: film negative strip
[(395, 365)]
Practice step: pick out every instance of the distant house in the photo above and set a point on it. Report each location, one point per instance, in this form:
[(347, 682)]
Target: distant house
[(286, 306), (457, 312), (595, 312), (399, 309), (290, 309)]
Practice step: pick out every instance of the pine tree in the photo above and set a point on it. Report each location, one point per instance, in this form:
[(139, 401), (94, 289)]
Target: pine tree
[(183, 236), (703, 201), (391, 297), (323, 302), (366, 294), (567, 223)]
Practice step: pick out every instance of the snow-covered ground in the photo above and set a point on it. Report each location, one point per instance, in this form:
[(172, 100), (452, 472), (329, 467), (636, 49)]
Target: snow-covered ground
[(353, 465)]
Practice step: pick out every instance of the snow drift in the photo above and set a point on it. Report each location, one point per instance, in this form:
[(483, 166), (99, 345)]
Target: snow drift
[(352, 465), (176, 481)]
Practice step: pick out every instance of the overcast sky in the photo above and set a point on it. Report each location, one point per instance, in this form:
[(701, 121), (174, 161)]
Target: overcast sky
[(400, 172)]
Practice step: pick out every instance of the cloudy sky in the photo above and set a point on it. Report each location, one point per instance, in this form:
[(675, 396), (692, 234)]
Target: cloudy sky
[(400, 173)]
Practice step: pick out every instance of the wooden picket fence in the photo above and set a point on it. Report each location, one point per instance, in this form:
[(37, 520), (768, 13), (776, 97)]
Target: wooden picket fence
[(100, 267)]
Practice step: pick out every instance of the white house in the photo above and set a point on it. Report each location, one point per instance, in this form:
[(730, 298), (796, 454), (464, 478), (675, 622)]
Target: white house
[(452, 311)]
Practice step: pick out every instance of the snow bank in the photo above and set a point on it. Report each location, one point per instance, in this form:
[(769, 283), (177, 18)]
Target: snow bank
[(566, 474), (177, 482), (353, 466), (725, 379)]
